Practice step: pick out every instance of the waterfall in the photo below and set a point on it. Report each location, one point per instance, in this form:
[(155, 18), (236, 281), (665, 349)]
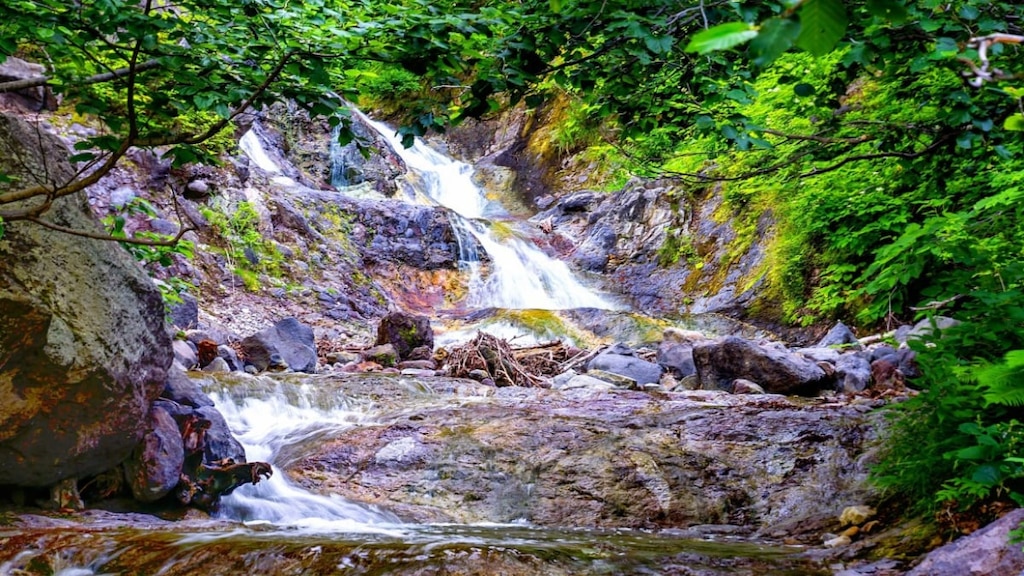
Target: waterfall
[(519, 275)]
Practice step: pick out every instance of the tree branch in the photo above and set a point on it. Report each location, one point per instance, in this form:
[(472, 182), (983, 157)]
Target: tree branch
[(107, 237), (15, 85)]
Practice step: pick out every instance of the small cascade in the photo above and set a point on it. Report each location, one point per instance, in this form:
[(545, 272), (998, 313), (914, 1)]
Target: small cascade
[(252, 147), (274, 421), (519, 275)]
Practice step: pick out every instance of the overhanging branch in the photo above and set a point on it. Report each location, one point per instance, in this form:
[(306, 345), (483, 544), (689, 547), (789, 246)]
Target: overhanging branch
[(15, 85)]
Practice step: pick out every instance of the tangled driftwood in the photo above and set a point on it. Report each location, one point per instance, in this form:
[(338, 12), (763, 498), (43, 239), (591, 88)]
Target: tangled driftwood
[(507, 366)]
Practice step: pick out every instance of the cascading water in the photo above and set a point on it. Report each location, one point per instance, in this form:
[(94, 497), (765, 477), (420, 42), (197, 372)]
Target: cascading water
[(520, 276), (271, 421)]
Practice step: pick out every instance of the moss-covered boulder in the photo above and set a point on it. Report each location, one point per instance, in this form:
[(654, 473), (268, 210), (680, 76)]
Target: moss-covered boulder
[(83, 348)]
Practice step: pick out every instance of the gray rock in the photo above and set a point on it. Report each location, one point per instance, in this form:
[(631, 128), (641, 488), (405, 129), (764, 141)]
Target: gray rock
[(290, 339), (820, 354), (230, 357), (676, 357), (12, 68), (184, 353), (620, 359), (987, 552), (220, 444), (162, 226), (154, 467), (882, 351), (185, 314), (839, 335), (84, 323), (563, 378), (589, 382), (719, 362), (853, 373), (218, 364), (183, 390), (197, 189), (924, 329)]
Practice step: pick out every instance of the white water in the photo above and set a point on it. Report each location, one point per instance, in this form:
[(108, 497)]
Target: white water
[(520, 275), (267, 425)]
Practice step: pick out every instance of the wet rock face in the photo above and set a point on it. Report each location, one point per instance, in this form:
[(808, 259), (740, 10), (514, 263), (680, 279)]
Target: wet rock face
[(660, 247), (603, 459), (83, 349)]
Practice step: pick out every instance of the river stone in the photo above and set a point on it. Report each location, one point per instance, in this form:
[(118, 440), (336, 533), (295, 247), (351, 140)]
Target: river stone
[(586, 381), (720, 362), (676, 357), (184, 353), (621, 359), (986, 552), (839, 335), (853, 373), (289, 339), (741, 386), (83, 349), (154, 468), (406, 332), (181, 389), (220, 444), (383, 354)]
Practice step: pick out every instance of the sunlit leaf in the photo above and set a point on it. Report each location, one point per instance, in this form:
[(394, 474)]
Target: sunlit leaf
[(721, 37)]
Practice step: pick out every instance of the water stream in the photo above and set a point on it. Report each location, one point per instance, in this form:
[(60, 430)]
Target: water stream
[(278, 526), (519, 275)]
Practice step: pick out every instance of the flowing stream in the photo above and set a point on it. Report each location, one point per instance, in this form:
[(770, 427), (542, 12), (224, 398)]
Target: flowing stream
[(520, 275), (280, 527)]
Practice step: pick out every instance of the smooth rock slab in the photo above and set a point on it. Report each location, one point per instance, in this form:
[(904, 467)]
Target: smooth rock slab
[(598, 458)]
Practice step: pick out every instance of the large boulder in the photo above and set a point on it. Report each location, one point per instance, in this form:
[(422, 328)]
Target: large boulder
[(83, 348), (720, 362), (405, 332), (987, 552), (288, 341)]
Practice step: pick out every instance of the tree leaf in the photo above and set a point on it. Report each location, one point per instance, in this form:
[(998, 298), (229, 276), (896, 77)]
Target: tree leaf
[(721, 37), (823, 24), (1014, 123), (775, 37), (890, 10)]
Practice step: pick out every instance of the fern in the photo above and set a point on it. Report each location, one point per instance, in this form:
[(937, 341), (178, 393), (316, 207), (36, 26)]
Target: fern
[(1003, 382)]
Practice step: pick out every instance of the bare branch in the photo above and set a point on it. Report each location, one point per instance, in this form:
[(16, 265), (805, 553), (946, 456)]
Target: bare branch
[(15, 85), (985, 72), (108, 238)]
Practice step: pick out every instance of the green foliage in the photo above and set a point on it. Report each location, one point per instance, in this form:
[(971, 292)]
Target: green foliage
[(678, 245), (248, 251), (152, 257)]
